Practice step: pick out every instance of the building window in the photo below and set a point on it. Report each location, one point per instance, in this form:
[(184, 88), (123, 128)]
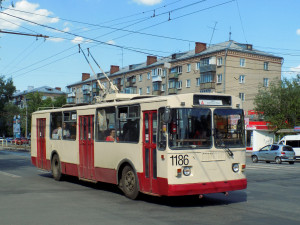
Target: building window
[(220, 61), (266, 82), (242, 62), (198, 82), (148, 76), (179, 84), (204, 61), (163, 87), (179, 69), (188, 68), (164, 73), (266, 66), (156, 86), (140, 77), (198, 66), (171, 84), (148, 90), (242, 79), (206, 78), (140, 91), (188, 83), (219, 78), (242, 96)]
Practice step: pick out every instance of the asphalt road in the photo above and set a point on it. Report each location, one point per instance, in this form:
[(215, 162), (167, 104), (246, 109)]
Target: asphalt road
[(31, 196)]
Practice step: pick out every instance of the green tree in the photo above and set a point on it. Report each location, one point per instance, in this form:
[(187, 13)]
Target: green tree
[(10, 110), (35, 102), (280, 103), (7, 89)]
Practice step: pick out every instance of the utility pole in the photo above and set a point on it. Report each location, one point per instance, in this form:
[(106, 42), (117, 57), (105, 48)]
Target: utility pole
[(25, 34)]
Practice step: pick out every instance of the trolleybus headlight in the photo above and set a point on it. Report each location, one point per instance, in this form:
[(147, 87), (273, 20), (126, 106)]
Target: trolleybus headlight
[(187, 170), (235, 167)]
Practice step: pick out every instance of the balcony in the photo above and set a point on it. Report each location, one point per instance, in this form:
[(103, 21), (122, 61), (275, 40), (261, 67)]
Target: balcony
[(86, 92), (172, 90), (157, 92), (70, 100), (173, 75), (208, 68), (72, 94), (156, 79), (210, 85)]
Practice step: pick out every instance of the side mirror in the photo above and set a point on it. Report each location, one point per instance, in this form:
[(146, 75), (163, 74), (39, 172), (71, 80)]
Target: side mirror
[(166, 115)]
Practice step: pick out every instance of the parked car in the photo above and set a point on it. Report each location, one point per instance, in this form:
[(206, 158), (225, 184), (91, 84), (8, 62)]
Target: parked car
[(20, 141), (9, 139), (277, 153), (24, 140)]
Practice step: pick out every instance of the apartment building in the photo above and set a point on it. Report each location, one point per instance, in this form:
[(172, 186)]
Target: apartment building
[(19, 98), (228, 67)]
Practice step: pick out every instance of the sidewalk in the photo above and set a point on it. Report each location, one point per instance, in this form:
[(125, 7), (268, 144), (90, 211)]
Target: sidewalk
[(11, 147)]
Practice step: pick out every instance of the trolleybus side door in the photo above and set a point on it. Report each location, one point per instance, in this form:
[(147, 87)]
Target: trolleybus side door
[(86, 147), (41, 143), (149, 183)]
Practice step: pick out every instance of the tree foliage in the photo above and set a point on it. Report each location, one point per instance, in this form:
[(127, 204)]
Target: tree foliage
[(280, 103), (35, 102), (7, 89)]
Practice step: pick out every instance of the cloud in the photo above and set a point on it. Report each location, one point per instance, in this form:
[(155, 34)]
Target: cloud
[(77, 40), (111, 42), (56, 39), (147, 2), (296, 69), (298, 32), (8, 22)]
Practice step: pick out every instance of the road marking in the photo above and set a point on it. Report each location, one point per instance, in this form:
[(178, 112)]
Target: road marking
[(271, 167), (9, 174)]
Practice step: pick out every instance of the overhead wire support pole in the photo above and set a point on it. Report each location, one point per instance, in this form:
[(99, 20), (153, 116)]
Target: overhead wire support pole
[(17, 33)]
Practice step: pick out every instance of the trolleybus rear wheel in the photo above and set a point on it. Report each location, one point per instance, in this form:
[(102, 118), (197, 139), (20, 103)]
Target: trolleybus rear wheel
[(129, 183), (56, 168)]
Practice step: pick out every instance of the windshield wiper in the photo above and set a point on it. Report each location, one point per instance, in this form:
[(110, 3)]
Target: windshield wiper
[(227, 150)]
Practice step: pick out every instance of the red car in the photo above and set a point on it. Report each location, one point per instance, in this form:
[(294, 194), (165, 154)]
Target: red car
[(20, 141)]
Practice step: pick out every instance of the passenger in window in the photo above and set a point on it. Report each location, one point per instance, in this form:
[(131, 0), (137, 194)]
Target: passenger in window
[(130, 131), (57, 133), (66, 131), (112, 135)]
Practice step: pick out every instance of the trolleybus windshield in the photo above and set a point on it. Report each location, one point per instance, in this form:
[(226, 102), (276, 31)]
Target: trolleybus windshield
[(190, 128)]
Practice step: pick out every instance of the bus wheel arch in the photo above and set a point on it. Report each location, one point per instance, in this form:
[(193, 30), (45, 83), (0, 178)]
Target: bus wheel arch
[(56, 166), (127, 179)]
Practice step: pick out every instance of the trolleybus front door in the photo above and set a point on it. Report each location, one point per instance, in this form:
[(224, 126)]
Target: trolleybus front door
[(86, 147), (149, 183), (41, 143)]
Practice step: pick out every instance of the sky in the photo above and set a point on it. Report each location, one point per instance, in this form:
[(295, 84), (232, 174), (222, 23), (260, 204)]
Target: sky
[(124, 32)]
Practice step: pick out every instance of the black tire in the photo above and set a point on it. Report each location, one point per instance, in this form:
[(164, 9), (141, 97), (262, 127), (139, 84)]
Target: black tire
[(278, 160), (291, 163), (56, 168), (254, 159), (129, 183)]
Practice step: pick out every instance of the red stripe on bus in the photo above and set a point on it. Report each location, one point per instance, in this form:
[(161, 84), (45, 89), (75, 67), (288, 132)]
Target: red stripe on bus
[(203, 188)]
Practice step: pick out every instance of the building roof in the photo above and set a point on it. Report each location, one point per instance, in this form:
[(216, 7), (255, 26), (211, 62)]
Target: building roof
[(43, 89), (227, 45)]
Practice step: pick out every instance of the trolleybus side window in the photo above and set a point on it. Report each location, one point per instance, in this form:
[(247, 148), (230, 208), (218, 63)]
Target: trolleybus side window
[(106, 123), (128, 121), (56, 126), (69, 125), (162, 130)]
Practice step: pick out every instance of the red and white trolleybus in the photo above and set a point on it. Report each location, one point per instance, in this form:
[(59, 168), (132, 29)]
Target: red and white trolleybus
[(187, 144)]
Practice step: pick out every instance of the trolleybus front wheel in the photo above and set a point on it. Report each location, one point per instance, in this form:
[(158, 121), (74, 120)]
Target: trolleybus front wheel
[(129, 183), (56, 168)]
